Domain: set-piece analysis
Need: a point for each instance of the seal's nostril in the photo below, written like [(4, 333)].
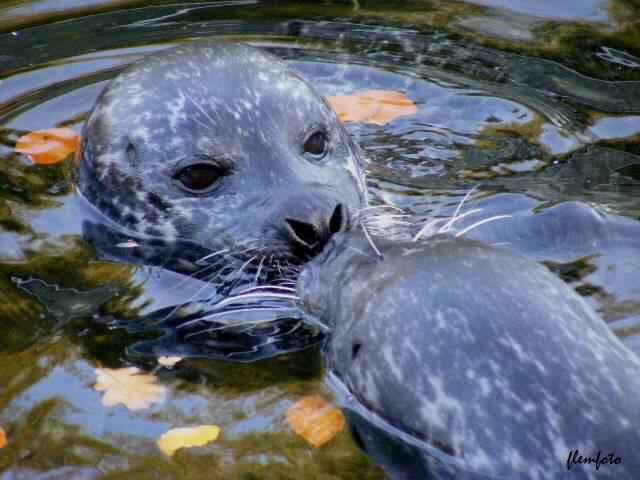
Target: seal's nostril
[(304, 232), (313, 226), (335, 223)]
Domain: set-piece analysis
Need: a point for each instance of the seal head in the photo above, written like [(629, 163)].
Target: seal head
[(224, 146)]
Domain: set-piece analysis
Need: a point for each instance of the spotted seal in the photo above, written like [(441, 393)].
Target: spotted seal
[(218, 146), (457, 360)]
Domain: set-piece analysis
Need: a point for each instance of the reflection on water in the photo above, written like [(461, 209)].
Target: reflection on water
[(591, 10), (537, 103)]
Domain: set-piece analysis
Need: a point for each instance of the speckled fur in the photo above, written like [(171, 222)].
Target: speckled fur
[(486, 356), (214, 99)]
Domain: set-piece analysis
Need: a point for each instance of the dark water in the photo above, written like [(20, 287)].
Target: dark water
[(536, 104)]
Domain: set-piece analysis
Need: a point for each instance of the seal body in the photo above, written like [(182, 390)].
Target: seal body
[(220, 146), (462, 361)]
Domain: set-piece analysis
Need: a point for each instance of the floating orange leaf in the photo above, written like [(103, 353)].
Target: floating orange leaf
[(378, 107), (178, 438), (45, 147), (128, 386), (315, 420), (3, 438), (168, 361)]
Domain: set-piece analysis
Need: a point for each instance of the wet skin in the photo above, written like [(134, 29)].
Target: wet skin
[(459, 360), (219, 145)]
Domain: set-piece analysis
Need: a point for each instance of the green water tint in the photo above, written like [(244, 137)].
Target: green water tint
[(541, 109)]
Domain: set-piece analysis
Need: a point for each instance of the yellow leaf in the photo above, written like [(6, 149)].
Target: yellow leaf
[(3, 438), (168, 361), (378, 107), (128, 386), (50, 146), (178, 438), (315, 420)]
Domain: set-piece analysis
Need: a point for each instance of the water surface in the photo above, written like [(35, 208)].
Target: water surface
[(537, 106)]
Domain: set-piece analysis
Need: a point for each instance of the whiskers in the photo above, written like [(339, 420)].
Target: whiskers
[(431, 227), (393, 223), (203, 260), (254, 306), (373, 245), (481, 222), (386, 221), (246, 286)]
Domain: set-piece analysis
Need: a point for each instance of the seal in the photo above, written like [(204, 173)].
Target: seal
[(218, 146), (459, 360)]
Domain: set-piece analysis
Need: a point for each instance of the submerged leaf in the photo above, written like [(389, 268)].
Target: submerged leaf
[(3, 438), (128, 386), (178, 438), (378, 107), (45, 147), (315, 420)]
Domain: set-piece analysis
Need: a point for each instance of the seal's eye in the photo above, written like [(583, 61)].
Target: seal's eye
[(316, 144), (199, 177)]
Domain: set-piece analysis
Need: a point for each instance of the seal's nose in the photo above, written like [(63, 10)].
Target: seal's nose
[(312, 233)]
